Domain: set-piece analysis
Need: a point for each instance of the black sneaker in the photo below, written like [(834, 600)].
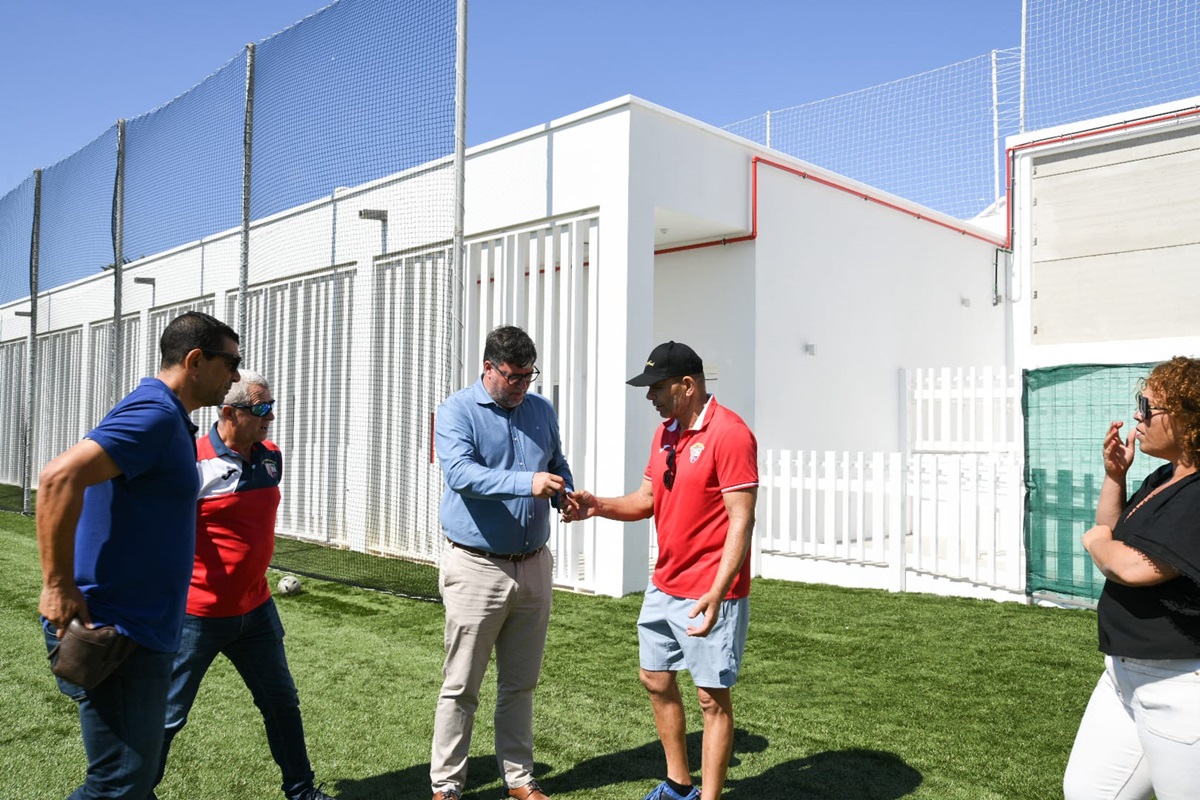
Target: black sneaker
[(316, 793)]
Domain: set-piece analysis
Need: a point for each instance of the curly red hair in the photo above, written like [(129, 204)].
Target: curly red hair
[(1177, 384)]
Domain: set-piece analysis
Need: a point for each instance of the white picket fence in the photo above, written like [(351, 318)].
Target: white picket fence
[(943, 517), (942, 523)]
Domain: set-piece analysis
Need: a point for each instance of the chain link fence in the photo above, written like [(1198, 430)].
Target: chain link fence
[(278, 195), (938, 138)]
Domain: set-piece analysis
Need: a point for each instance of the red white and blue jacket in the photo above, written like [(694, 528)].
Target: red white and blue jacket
[(235, 527)]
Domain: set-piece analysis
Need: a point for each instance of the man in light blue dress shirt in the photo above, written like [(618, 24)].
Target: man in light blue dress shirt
[(502, 460)]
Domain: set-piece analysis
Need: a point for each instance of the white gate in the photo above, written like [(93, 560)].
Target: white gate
[(945, 517)]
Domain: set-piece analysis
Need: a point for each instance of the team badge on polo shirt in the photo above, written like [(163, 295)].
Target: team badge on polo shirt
[(695, 451), (272, 468)]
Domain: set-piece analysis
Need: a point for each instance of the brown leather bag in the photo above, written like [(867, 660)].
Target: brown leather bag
[(86, 656)]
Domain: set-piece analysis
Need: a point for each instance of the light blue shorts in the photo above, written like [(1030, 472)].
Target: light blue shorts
[(665, 646)]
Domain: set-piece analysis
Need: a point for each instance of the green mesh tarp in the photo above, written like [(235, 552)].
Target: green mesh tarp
[(1067, 412)]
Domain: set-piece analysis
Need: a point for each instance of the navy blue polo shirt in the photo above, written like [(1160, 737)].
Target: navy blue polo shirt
[(137, 532)]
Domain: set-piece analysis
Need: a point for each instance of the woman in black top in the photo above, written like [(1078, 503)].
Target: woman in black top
[(1140, 735)]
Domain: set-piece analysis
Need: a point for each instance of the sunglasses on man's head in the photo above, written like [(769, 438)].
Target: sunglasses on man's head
[(257, 409)]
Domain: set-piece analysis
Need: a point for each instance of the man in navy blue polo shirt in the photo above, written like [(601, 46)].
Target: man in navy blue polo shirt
[(116, 528)]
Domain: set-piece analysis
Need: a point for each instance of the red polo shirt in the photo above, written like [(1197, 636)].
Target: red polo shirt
[(719, 455)]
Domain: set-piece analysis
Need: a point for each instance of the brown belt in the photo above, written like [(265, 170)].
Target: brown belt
[(516, 558)]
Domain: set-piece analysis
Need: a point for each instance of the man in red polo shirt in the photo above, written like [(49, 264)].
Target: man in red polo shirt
[(700, 485)]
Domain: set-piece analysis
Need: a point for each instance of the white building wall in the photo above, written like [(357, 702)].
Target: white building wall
[(873, 289), (1145, 266)]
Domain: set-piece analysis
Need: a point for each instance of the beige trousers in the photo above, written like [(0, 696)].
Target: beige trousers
[(490, 604)]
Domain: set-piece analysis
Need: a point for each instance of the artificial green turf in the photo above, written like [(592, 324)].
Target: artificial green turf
[(12, 498), (844, 694), (394, 575)]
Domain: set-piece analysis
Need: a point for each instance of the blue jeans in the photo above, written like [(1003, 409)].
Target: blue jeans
[(253, 642), (121, 720)]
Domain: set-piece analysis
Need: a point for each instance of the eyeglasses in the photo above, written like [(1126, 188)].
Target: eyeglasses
[(233, 361), (257, 409), (515, 379), (669, 475), (1145, 409)]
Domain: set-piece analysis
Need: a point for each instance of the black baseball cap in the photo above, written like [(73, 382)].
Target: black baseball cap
[(668, 360)]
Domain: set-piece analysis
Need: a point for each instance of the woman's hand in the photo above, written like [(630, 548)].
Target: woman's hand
[(1118, 454)]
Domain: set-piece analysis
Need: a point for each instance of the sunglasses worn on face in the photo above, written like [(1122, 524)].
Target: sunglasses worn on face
[(1145, 409), (517, 380), (233, 361), (669, 475), (257, 409)]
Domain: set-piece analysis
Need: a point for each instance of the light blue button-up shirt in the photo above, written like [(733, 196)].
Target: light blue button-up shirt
[(489, 456)]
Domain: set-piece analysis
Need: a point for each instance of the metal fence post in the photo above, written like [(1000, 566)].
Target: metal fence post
[(118, 235), (458, 334), (35, 242), (247, 165)]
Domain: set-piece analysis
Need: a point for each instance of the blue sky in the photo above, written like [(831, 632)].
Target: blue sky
[(75, 67)]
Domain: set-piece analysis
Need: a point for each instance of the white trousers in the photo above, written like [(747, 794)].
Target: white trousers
[(490, 604), (1140, 734)]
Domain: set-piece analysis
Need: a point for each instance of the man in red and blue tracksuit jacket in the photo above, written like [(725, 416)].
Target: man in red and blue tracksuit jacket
[(229, 605)]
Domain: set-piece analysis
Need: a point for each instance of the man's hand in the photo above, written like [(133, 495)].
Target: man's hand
[(61, 604), (547, 484), (710, 606), (580, 506)]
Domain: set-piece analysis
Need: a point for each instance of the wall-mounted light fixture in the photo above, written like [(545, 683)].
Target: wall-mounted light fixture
[(147, 281), (23, 313), (377, 214)]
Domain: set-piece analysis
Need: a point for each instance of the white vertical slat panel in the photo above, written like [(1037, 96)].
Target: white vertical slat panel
[(498, 284), (516, 283), (861, 489), (898, 527), (534, 244), (827, 540), (989, 519), (472, 324), (878, 527), (969, 534), (591, 368), (549, 308), (811, 502), (785, 542)]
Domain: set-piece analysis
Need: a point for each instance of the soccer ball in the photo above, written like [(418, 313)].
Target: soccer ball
[(289, 584)]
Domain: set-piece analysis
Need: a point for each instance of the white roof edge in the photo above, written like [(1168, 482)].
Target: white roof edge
[(1107, 121), (631, 101)]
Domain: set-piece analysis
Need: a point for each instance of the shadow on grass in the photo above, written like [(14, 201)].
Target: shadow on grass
[(859, 774), (644, 764), (841, 774), (413, 783)]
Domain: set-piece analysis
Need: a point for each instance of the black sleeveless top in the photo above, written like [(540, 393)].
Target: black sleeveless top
[(1161, 621)]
